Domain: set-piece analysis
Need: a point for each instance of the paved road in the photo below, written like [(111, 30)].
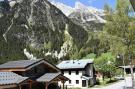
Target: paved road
[(118, 85)]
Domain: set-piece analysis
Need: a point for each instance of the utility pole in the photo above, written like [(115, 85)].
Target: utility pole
[(132, 73), (130, 57)]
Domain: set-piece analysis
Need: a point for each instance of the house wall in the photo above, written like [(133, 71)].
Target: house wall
[(73, 77), (89, 70)]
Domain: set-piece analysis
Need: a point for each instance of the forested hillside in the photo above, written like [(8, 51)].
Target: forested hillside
[(37, 29)]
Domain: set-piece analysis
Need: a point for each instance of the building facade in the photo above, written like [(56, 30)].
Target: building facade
[(80, 72)]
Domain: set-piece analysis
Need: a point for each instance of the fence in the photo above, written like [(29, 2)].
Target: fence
[(127, 87)]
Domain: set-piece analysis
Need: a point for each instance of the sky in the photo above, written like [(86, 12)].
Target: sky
[(95, 3)]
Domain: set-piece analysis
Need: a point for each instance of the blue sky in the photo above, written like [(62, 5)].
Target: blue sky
[(95, 3)]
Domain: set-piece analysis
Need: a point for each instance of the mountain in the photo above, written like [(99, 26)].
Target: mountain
[(90, 18), (87, 13), (36, 28), (67, 10)]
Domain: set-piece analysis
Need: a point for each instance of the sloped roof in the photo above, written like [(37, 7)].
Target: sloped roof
[(25, 64), (127, 67), (8, 78), (19, 64), (86, 77), (48, 77), (74, 64)]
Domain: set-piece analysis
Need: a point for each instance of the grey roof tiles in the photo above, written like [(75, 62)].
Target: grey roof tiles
[(48, 77), (74, 64), (7, 78), (19, 64)]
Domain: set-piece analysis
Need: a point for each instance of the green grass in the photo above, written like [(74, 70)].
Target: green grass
[(106, 82)]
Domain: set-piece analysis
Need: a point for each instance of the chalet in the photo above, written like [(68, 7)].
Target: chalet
[(80, 73), (30, 74)]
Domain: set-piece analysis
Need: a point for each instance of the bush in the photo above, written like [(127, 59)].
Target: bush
[(97, 82)]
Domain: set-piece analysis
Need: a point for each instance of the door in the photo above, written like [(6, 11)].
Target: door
[(83, 83)]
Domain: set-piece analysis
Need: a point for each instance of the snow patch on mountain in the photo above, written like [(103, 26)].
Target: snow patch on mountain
[(82, 7), (64, 8), (88, 13)]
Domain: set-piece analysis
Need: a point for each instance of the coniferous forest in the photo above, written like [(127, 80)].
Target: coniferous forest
[(43, 31)]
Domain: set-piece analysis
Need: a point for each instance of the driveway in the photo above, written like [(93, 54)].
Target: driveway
[(118, 85)]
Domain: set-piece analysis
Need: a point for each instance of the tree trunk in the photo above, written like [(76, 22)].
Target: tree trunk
[(132, 74), (103, 77)]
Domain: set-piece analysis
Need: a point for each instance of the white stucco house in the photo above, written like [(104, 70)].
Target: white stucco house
[(80, 72)]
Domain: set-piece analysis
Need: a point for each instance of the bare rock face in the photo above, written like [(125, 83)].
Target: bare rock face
[(90, 18), (39, 27)]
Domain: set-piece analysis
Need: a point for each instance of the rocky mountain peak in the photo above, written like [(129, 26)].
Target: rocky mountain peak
[(80, 6), (81, 12)]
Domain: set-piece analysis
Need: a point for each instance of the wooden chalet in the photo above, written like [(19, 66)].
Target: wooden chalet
[(35, 74)]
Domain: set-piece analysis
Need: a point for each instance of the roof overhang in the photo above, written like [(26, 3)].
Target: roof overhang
[(86, 77), (7, 86), (126, 67)]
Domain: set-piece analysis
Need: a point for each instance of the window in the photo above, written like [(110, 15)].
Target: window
[(69, 81), (77, 81), (69, 72), (77, 72)]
